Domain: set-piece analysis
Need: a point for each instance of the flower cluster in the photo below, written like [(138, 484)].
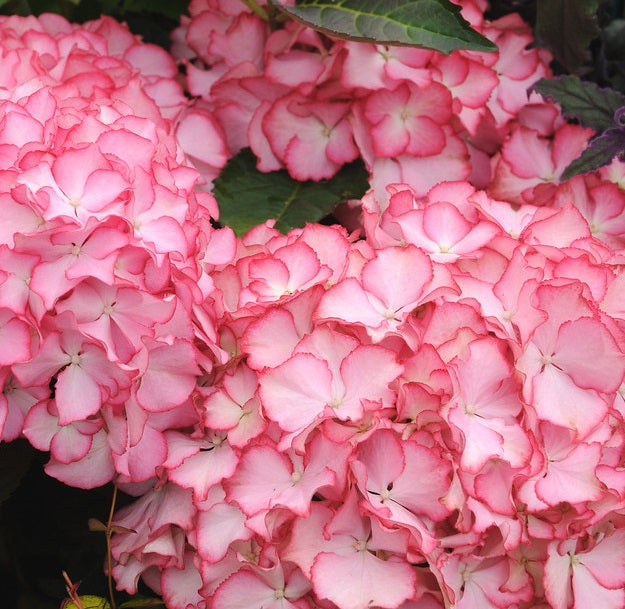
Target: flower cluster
[(426, 412), (104, 248), (310, 104), (430, 417)]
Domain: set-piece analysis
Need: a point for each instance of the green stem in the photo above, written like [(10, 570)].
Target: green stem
[(109, 556), (259, 10)]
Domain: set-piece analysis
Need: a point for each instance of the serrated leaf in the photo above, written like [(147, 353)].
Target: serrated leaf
[(600, 151), (248, 197), (591, 105), (566, 28), (432, 24)]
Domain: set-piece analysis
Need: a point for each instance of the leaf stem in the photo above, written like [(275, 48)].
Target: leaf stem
[(259, 10), (109, 556), (72, 592)]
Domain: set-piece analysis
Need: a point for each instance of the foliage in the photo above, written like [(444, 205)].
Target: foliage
[(577, 19), (248, 197), (599, 109), (594, 107), (600, 152), (88, 601), (433, 24), (586, 102), (270, 397)]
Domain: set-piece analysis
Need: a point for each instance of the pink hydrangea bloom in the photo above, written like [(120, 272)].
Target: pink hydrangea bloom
[(423, 414)]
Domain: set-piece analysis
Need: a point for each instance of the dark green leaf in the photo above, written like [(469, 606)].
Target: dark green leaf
[(599, 152), (248, 197), (566, 28), (15, 459), (433, 24), (591, 105)]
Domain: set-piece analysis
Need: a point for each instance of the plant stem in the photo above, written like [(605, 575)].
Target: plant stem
[(259, 10), (109, 556)]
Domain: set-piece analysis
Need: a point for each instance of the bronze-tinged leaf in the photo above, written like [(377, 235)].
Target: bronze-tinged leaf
[(590, 104), (566, 28)]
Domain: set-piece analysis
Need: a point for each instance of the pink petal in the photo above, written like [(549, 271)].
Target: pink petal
[(244, 590), (261, 475), (72, 169), (260, 344), (295, 393), (69, 445), (181, 587), (360, 580), (603, 365), (588, 592), (101, 189), (397, 276), (146, 455), (40, 425), (557, 574), (444, 224), (606, 561), (14, 338), (348, 301), (169, 378), (383, 458), (557, 399), (217, 528), (367, 373), (205, 469), (200, 137), (77, 395), (434, 475), (95, 469), (572, 479)]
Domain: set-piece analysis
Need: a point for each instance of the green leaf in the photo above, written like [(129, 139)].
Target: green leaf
[(600, 151), (591, 105), (90, 602), (566, 28), (247, 197), (433, 24)]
